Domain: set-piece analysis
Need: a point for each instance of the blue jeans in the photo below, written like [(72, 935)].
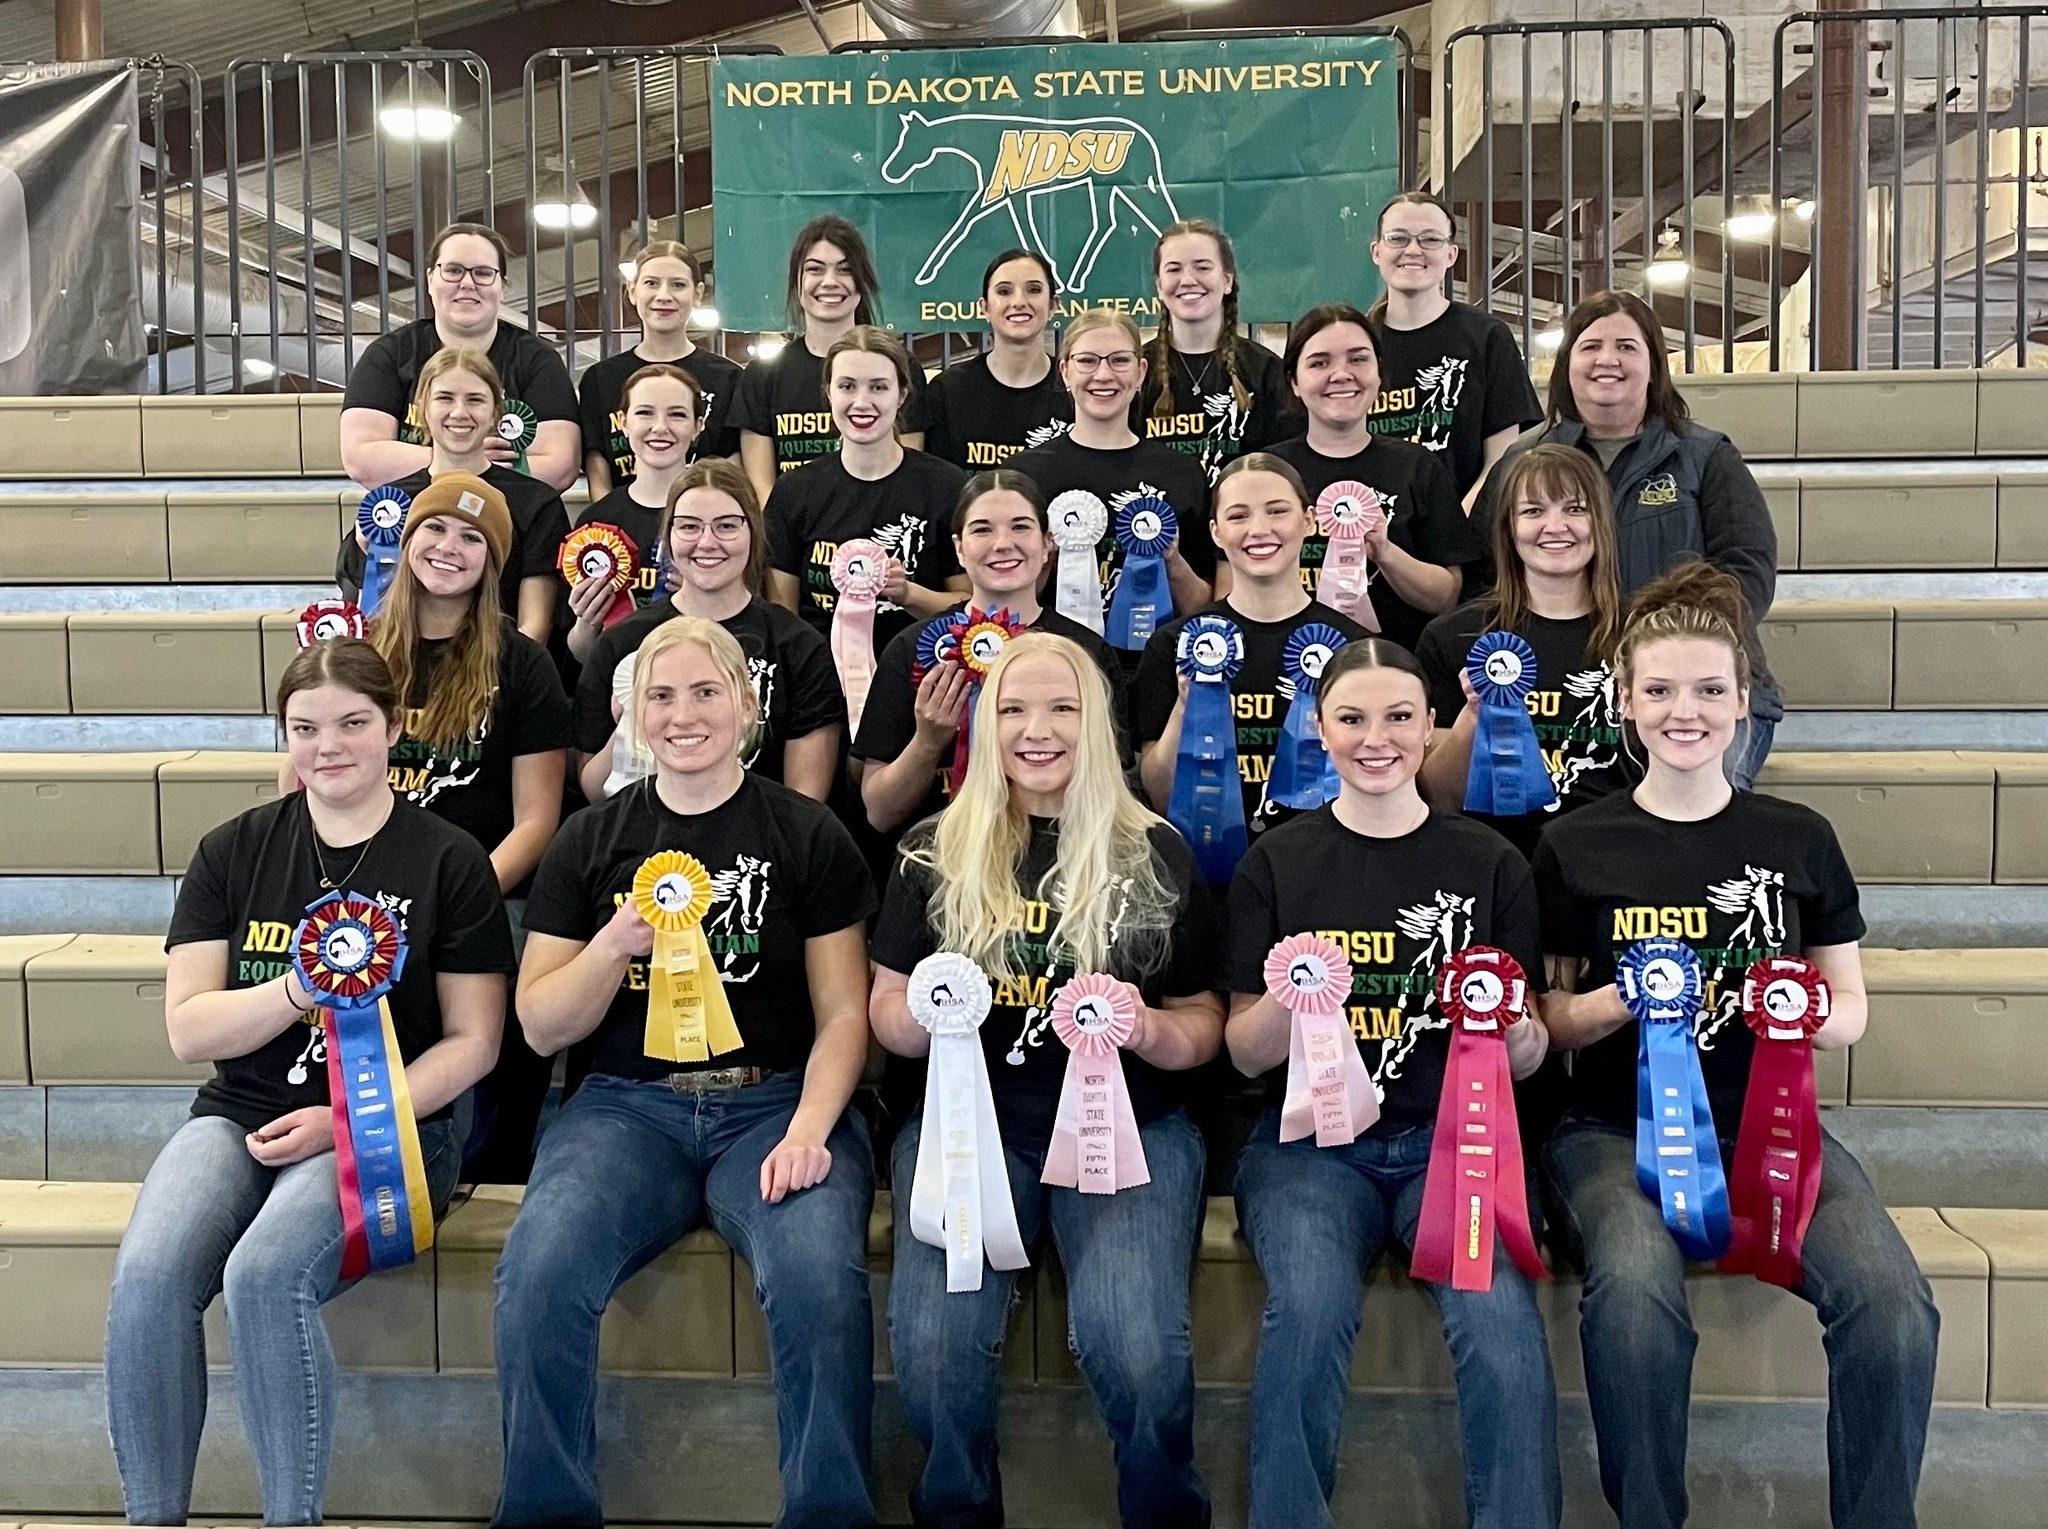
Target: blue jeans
[(1127, 1258), (625, 1170), (1745, 757), (1316, 1218), (1636, 1331), (211, 1219)]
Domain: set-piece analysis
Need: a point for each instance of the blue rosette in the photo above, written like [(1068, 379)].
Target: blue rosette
[(1507, 777), (1678, 1155), (1145, 528), (381, 519), (938, 642), (1207, 800), (1303, 776)]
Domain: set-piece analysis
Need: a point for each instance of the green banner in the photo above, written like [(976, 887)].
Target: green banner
[(946, 158)]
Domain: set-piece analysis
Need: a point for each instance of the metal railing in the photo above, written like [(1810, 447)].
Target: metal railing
[(171, 119)]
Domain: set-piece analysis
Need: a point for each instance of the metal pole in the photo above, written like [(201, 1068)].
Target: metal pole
[(1840, 51), (79, 35)]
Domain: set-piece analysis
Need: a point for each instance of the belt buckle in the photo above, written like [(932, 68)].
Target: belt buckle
[(710, 1080)]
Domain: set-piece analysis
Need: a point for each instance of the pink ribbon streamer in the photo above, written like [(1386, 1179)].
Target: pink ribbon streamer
[(1329, 1093), (1095, 1143), (1347, 513), (859, 570)]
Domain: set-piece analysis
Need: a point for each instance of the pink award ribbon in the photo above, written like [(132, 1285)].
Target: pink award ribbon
[(859, 570), (1347, 513), (1329, 1093), (1095, 1144)]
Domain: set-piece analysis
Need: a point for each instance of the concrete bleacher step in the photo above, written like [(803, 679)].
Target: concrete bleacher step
[(128, 662), (1992, 1158), (1901, 654)]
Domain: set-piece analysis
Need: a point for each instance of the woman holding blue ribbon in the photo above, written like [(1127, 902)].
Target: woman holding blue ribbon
[(1387, 892), (244, 1200), (1043, 867), (1709, 880)]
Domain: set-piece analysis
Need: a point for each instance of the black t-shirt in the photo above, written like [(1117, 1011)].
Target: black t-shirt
[(789, 665), (1259, 696), (388, 371), (471, 784), (1397, 908), (1027, 1062), (1450, 384), (978, 422), (250, 883), (602, 406), (783, 871), (1576, 709), (783, 398), (910, 512), (642, 525), (1207, 422), (538, 525), (1424, 519), (1762, 877)]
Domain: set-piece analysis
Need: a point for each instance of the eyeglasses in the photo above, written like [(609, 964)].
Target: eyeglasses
[(726, 528), (1119, 361), (482, 275), (1400, 239)]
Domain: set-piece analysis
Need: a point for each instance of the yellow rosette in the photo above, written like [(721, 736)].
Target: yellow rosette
[(688, 1018)]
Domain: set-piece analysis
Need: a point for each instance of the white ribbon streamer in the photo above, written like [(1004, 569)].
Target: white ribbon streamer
[(631, 759), (1077, 520)]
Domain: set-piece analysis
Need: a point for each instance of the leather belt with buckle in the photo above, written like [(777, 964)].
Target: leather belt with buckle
[(713, 1080)]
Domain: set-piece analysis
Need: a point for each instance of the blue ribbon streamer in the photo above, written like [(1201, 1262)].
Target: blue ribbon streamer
[(1303, 776), (1678, 1154), (1207, 800), (383, 531), (1145, 528), (1507, 777)]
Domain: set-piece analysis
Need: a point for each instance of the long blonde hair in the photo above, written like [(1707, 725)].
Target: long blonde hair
[(466, 679), (1113, 908), (727, 657)]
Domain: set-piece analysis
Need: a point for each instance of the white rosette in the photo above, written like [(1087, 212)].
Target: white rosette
[(1077, 520), (960, 1196), (631, 759)]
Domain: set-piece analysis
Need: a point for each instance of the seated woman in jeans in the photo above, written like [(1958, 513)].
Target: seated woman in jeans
[(1747, 876), (1045, 866), (756, 1139), (1399, 887), (243, 1199)]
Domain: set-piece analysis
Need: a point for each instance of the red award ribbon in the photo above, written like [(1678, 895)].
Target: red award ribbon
[(1475, 1182), (324, 619), (1095, 1144), (1776, 1180), (1329, 1093), (859, 570), (1347, 513), (595, 550), (982, 639)]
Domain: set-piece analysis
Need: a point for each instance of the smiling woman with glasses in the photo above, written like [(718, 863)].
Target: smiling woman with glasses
[(383, 439)]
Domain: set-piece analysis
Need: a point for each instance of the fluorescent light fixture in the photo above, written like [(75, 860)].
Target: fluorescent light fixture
[(704, 318)]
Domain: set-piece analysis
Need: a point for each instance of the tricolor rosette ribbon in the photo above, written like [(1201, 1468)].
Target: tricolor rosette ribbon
[(1507, 776), (1347, 514), (1145, 530), (1678, 1156), (1776, 1180), (1330, 1096), (381, 519), (859, 570), (1077, 520), (974, 639), (350, 954), (324, 620), (517, 427), (1303, 776), (1475, 1187), (688, 1016), (601, 552), (1207, 800), (960, 1194), (1095, 1143)]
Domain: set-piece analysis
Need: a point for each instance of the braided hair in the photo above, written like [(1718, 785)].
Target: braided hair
[(1159, 352)]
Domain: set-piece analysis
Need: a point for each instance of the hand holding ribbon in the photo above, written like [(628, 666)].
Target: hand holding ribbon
[(960, 1193), (688, 1016), (1507, 777), (1095, 1143), (1303, 776), (1077, 520), (599, 553), (517, 427), (325, 619), (859, 570), (1776, 1183), (1329, 1093), (1475, 1182), (974, 639), (350, 953), (1678, 1156), (381, 519), (1146, 529), (1207, 800), (1348, 513)]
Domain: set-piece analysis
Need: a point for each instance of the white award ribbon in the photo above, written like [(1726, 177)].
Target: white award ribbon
[(1077, 520), (960, 1195), (631, 759)]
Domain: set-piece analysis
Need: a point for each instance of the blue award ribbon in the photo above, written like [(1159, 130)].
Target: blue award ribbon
[(1145, 528), (1207, 801), (1507, 776), (1303, 776), (938, 641), (381, 519), (1678, 1156)]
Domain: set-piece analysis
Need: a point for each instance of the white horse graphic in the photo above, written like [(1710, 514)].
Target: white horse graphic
[(1444, 925)]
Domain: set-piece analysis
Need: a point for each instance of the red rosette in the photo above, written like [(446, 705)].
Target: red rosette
[(1483, 990), (1095, 1013), (327, 619), (1785, 998), (595, 550), (860, 568), (1308, 974)]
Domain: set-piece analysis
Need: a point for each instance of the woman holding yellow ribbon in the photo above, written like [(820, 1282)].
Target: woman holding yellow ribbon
[(244, 1199), (697, 944)]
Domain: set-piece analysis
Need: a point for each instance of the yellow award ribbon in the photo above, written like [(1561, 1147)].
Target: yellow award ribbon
[(688, 1017)]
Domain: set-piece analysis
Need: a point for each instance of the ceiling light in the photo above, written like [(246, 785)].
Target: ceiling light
[(704, 318), (561, 204), (1804, 211), (1754, 223), (767, 348), (1668, 268), (417, 111), (1549, 339)]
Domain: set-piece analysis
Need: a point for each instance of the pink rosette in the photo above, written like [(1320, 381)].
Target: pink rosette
[(1095, 1144), (1347, 513), (859, 570), (1329, 1093)]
